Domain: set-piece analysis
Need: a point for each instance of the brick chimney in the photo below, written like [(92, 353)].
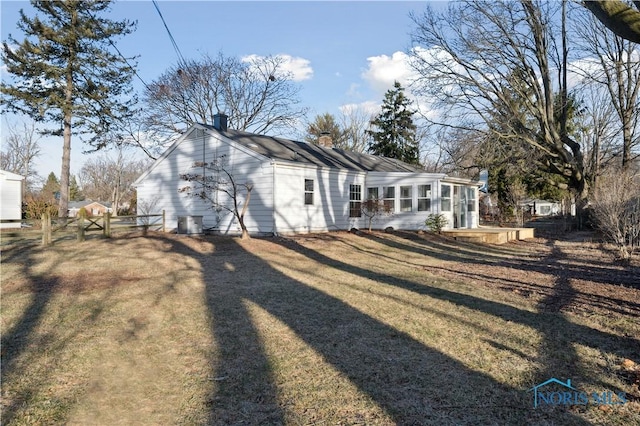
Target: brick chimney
[(220, 121), (325, 140)]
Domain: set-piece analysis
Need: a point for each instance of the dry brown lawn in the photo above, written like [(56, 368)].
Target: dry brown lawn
[(320, 329)]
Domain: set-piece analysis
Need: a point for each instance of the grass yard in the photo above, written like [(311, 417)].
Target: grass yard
[(321, 329)]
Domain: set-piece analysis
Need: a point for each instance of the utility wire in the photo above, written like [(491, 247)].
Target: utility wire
[(173, 41)]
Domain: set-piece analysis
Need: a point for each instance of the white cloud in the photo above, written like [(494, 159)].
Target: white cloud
[(299, 68), (366, 108), (384, 70)]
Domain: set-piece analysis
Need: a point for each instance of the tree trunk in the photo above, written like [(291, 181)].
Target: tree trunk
[(63, 206), (67, 111)]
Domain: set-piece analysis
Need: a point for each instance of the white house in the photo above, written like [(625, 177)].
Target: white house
[(11, 201), (299, 187)]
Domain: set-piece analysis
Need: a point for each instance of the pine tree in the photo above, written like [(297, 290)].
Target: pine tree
[(51, 189), (325, 124), (395, 136), (65, 72), (74, 190)]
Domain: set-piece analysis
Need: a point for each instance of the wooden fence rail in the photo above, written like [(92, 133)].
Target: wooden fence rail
[(105, 223)]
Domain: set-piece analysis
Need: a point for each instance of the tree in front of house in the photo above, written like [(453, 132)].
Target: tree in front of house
[(394, 132), (373, 208), (66, 73), (214, 183)]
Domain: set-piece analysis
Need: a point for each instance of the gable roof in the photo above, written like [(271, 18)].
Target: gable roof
[(280, 149)]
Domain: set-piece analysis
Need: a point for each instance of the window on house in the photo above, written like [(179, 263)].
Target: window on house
[(445, 198), (406, 198), (389, 197), (308, 191), (355, 200), (424, 198), (471, 199), (372, 193)]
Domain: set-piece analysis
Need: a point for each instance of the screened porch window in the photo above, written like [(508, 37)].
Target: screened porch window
[(471, 199), (424, 198), (389, 197), (406, 198), (445, 198), (372, 193)]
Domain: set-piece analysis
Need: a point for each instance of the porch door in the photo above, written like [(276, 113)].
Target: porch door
[(459, 207)]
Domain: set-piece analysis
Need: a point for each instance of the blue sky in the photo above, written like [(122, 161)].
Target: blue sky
[(341, 52)]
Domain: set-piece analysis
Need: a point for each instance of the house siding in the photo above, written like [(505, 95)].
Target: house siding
[(330, 208), (160, 189)]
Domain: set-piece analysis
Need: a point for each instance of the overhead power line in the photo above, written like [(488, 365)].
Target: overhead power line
[(173, 41)]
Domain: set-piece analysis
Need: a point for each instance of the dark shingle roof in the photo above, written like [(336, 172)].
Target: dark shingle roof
[(306, 153)]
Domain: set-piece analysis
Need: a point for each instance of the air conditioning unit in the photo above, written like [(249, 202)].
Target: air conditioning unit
[(190, 225)]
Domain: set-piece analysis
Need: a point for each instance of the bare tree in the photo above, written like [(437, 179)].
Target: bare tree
[(109, 177), (355, 121), (616, 67), (490, 67), (374, 208), (220, 180), (21, 148), (257, 94), (598, 130)]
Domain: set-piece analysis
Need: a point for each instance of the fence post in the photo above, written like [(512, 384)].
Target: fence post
[(106, 230), (46, 229), (81, 228), (163, 221)]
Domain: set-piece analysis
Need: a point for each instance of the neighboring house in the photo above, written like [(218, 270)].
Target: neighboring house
[(300, 187), (11, 199), (541, 207), (93, 208)]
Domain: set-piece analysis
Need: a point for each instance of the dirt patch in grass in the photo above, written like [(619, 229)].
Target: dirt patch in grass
[(332, 328)]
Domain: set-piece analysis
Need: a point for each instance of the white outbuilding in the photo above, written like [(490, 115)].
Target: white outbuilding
[(11, 199)]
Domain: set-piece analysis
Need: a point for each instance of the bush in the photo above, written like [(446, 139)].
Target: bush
[(436, 222), (615, 207), (34, 208)]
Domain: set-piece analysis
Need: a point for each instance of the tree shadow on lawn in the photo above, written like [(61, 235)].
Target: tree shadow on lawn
[(555, 264), (412, 383), (559, 333), (22, 344)]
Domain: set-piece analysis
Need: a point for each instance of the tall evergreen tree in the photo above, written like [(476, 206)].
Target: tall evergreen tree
[(395, 136), (65, 72)]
